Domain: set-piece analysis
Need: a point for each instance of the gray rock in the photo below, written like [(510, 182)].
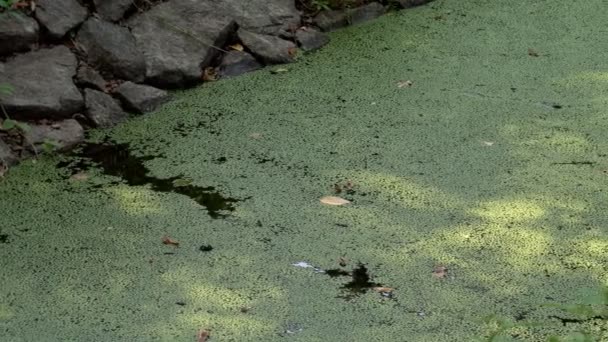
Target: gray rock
[(332, 20), (42, 84), (64, 134), (7, 157), (102, 109), (88, 77), (112, 10), (274, 17), (112, 48), (270, 49), (179, 39), (17, 33), (236, 63), (310, 39), (59, 16), (141, 98), (411, 3)]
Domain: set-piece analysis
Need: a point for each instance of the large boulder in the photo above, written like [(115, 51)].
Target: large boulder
[(42, 84), (112, 10), (236, 63), (270, 49), (17, 33), (140, 98), (332, 20), (87, 77), (102, 109), (63, 134), (112, 48), (274, 17), (59, 16), (310, 39), (179, 39)]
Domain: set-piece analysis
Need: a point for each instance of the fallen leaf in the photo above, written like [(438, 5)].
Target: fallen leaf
[(383, 289), (440, 272), (342, 261), (80, 176), (533, 52), (279, 71), (169, 241), (488, 143), (210, 74), (333, 200), (403, 84), (202, 336), (236, 47)]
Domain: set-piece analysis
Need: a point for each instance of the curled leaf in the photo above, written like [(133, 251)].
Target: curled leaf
[(279, 71), (404, 84), (236, 47), (169, 241), (383, 289), (440, 272), (334, 200), (203, 335)]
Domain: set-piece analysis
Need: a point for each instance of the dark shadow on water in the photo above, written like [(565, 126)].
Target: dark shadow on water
[(117, 160), (359, 284)]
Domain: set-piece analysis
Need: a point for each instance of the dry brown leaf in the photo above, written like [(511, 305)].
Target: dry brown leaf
[(202, 336), (210, 74), (383, 289), (533, 52), (80, 176), (333, 200), (440, 272), (169, 241), (236, 47), (403, 84)]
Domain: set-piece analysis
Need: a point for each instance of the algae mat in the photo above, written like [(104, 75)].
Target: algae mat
[(491, 164)]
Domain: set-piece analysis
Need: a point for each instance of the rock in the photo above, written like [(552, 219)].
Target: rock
[(273, 17), (332, 20), (60, 16), (42, 84), (88, 77), (411, 3), (141, 98), (102, 109), (112, 48), (310, 39), (64, 134), (179, 39), (17, 33), (270, 49), (236, 63), (112, 10), (7, 157)]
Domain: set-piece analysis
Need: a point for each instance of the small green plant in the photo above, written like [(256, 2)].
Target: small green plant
[(7, 4)]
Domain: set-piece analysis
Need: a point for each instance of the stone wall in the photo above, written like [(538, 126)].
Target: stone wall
[(67, 66)]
